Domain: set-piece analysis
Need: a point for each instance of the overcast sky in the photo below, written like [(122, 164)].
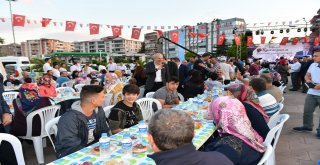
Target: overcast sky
[(144, 13)]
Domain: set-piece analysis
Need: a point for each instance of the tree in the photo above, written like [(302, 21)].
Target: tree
[(189, 54), (1, 40), (143, 48), (232, 51)]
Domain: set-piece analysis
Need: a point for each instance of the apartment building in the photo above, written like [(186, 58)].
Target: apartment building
[(10, 50)]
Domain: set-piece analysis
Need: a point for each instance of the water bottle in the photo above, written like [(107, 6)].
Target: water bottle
[(143, 130), (127, 147), (104, 143)]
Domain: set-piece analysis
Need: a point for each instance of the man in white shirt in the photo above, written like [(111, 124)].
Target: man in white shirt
[(56, 72), (133, 66), (121, 67), (312, 100), (75, 67), (101, 67), (47, 66), (294, 70), (227, 70), (112, 66)]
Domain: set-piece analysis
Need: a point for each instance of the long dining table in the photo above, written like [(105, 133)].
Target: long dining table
[(202, 134)]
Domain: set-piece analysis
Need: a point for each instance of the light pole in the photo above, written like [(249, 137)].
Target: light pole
[(100, 55), (304, 19), (14, 37)]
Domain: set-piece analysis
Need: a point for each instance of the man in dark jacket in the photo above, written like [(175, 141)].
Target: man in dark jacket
[(7, 155), (158, 72), (172, 141), (203, 65), (183, 73), (84, 123)]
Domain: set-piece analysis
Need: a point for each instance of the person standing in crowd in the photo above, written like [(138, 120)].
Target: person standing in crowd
[(158, 72), (168, 95), (63, 78), (282, 69), (140, 75), (203, 65), (86, 70), (254, 68), (47, 64), (63, 67), (127, 112), (112, 66), (237, 139), (7, 155), (192, 59), (294, 71), (183, 73), (227, 70), (75, 67), (305, 64), (214, 64), (83, 124), (133, 66), (312, 100), (171, 141), (266, 100), (55, 69)]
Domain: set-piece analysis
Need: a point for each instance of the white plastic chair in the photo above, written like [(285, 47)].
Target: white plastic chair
[(10, 96), (51, 128), (45, 114), (62, 89), (267, 158), (150, 94), (181, 98), (146, 107), (68, 84), (107, 110), (108, 99), (282, 100), (275, 131), (141, 91), (115, 97), (78, 87), (273, 119), (16, 145)]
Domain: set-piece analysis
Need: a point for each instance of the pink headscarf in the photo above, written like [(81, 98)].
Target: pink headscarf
[(231, 118)]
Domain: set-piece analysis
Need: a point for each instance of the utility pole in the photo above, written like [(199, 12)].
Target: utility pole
[(14, 37)]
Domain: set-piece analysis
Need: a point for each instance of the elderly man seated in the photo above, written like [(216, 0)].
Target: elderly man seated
[(271, 89), (172, 141)]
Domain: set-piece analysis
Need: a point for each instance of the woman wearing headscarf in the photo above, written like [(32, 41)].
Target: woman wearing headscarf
[(237, 139), (47, 86), (282, 69), (254, 111), (28, 101), (113, 85), (276, 78), (119, 74)]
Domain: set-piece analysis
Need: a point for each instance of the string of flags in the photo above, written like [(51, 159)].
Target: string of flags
[(22, 20)]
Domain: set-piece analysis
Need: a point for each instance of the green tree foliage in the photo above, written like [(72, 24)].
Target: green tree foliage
[(1, 40), (143, 48), (189, 54), (232, 51)]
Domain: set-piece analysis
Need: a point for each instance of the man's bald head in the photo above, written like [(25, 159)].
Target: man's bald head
[(158, 58)]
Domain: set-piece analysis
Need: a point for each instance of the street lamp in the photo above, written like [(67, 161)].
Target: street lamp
[(304, 19), (14, 37)]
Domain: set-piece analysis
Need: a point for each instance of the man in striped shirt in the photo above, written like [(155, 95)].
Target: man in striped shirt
[(266, 100)]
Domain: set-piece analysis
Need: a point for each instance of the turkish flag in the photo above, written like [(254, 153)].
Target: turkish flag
[(159, 32), (192, 34), (295, 41), (316, 41), (306, 39), (18, 20), (189, 27), (284, 41), (45, 22), (116, 31), (263, 39), (174, 36), (70, 25), (202, 35), (136, 33), (221, 39), (237, 39), (94, 28), (249, 40), (203, 27)]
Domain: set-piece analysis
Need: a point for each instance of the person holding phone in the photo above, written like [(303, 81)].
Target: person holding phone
[(312, 100)]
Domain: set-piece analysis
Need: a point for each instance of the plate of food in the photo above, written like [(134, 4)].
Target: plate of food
[(116, 162), (197, 124), (191, 113), (139, 148), (96, 150)]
